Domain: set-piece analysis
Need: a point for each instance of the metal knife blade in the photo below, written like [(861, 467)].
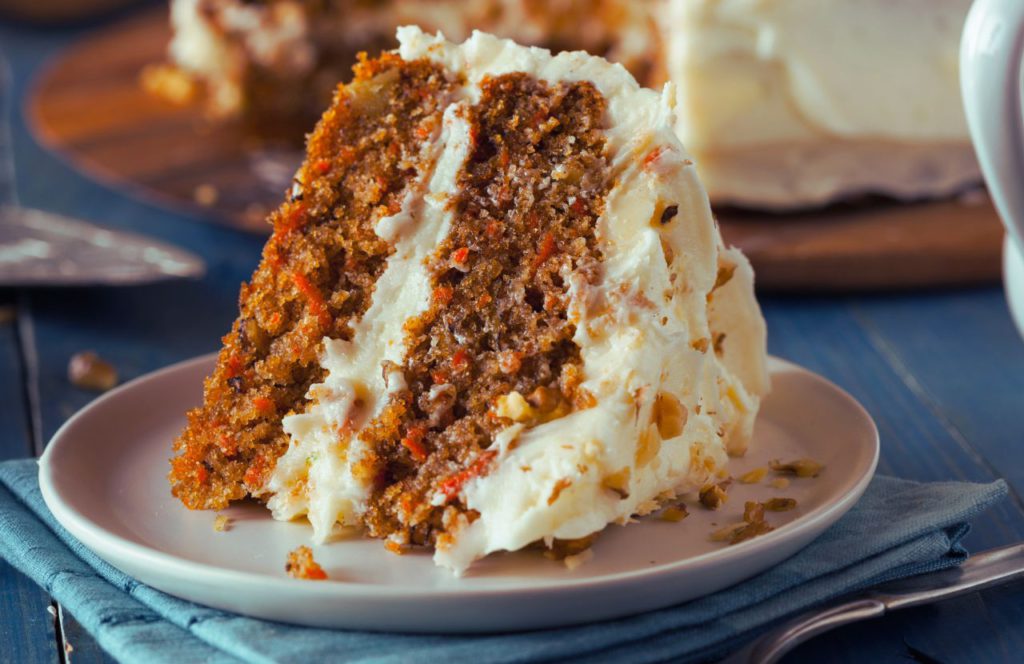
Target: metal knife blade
[(981, 570), (39, 248)]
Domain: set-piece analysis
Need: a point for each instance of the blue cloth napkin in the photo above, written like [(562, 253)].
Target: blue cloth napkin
[(899, 528)]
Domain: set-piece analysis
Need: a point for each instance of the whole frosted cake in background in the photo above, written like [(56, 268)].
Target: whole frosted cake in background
[(495, 311), (275, 62), (784, 104), (797, 103)]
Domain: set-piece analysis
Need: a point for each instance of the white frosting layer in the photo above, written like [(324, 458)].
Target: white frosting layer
[(645, 330), (316, 475), (837, 97)]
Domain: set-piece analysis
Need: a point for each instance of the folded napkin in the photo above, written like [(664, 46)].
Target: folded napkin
[(899, 528)]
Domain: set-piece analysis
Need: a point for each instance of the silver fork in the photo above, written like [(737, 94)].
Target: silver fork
[(982, 570)]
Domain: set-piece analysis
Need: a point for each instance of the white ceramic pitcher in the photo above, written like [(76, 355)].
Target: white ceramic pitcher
[(991, 70)]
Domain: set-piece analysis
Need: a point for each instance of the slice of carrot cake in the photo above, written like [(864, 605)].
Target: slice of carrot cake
[(495, 310)]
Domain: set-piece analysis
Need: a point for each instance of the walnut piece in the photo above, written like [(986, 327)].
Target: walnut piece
[(753, 524), (618, 482), (780, 504), (753, 512), (561, 549), (754, 476), (750, 531), (674, 513), (713, 496), (799, 467), (669, 415), (726, 533), (90, 372), (725, 272)]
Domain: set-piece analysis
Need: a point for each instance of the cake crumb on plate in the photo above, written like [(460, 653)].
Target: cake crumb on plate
[(301, 565)]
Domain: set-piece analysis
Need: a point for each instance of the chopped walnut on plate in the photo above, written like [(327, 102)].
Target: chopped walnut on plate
[(799, 467)]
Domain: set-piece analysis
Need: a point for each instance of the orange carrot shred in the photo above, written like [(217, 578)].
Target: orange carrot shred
[(254, 474), (451, 486), (653, 155), (443, 294), (290, 221), (235, 366), (413, 442), (316, 573), (547, 248), (460, 360), (314, 299)]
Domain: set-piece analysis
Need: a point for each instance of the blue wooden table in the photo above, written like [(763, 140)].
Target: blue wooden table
[(941, 372)]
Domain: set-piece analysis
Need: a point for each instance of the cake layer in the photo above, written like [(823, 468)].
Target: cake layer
[(317, 276), (799, 102), (542, 355)]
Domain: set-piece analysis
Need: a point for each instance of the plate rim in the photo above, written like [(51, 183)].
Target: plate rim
[(105, 543)]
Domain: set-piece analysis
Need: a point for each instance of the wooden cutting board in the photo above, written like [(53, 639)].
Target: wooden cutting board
[(89, 106)]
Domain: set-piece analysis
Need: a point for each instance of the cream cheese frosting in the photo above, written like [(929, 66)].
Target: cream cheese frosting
[(319, 460), (673, 396), (788, 103)]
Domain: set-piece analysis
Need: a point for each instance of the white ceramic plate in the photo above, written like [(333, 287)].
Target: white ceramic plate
[(103, 477)]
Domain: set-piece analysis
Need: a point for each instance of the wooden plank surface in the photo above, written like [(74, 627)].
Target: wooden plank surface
[(941, 372), (883, 350), (26, 627), (168, 153)]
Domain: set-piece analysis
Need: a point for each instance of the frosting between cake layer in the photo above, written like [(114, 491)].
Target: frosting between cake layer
[(316, 475)]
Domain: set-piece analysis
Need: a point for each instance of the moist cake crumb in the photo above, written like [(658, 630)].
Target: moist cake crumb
[(317, 274), (300, 565), (574, 561)]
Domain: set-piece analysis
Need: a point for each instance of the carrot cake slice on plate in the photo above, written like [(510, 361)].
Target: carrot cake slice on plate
[(495, 310)]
